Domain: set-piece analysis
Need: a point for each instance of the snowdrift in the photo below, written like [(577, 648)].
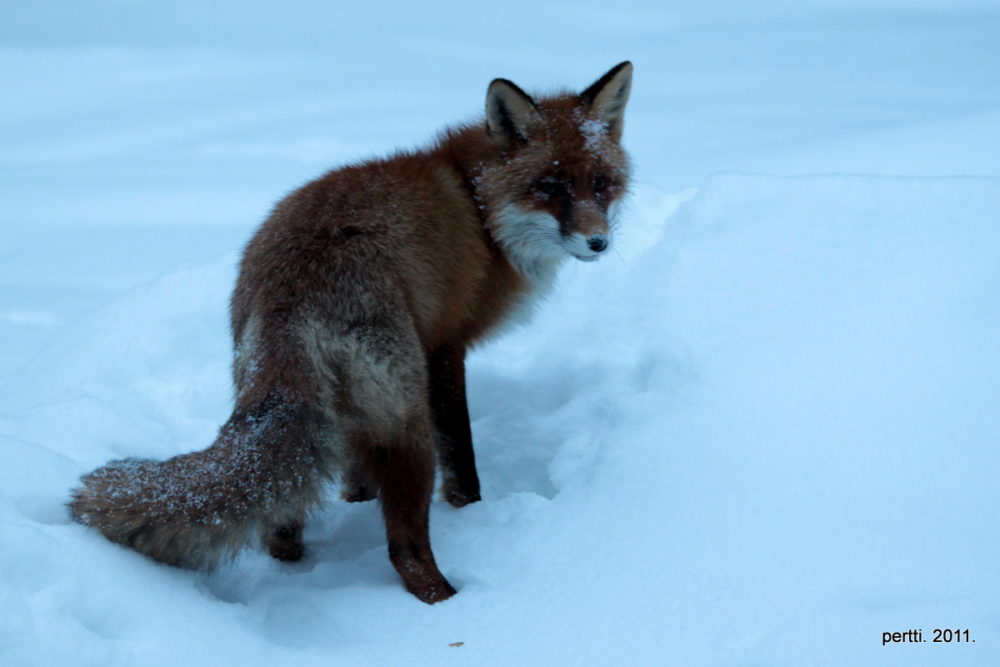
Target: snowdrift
[(764, 432)]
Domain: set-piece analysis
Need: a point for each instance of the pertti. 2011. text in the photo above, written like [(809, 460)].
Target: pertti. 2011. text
[(938, 636)]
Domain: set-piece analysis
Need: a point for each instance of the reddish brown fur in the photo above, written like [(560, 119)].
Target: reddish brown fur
[(356, 302), (455, 281)]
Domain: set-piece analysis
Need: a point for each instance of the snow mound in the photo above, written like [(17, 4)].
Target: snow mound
[(768, 426)]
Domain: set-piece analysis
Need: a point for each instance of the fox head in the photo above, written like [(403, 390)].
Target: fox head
[(554, 190)]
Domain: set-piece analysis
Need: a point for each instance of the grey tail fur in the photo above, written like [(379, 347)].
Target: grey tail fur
[(263, 471)]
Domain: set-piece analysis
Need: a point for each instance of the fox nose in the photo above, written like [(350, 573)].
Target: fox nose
[(597, 243)]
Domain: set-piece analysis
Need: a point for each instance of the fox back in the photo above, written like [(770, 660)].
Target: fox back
[(356, 302)]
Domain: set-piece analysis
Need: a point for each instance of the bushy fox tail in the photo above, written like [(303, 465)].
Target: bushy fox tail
[(263, 472)]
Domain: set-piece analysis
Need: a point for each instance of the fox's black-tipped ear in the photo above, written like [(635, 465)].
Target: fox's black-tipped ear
[(510, 112), (608, 96)]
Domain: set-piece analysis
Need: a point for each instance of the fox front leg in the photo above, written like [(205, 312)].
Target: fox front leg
[(451, 419)]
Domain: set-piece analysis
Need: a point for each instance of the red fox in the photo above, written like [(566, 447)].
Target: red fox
[(356, 302)]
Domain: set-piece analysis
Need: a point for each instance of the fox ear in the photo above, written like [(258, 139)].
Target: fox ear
[(608, 95), (509, 113)]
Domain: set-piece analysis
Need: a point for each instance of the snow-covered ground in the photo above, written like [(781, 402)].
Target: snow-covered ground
[(764, 432)]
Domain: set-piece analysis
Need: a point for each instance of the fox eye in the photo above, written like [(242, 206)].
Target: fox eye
[(600, 184), (550, 188)]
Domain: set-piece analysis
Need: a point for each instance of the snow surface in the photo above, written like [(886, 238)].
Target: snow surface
[(764, 432)]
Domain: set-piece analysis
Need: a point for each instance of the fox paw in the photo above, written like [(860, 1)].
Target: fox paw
[(285, 544), (457, 496), (358, 493)]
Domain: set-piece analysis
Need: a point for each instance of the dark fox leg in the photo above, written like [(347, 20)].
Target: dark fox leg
[(378, 393), (451, 419), (357, 487), (285, 542), (370, 365), (404, 472)]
